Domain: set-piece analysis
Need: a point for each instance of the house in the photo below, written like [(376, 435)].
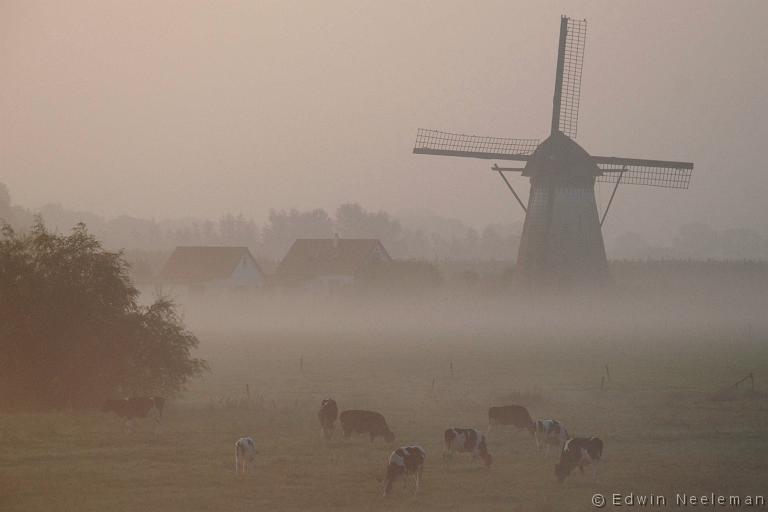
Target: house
[(211, 269), (329, 264)]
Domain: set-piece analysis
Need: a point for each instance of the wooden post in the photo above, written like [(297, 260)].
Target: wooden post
[(451, 366), (602, 383), (607, 372)]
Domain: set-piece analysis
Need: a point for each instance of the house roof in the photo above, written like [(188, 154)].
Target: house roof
[(310, 257), (197, 264)]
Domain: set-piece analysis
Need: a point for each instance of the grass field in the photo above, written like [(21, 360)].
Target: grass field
[(666, 424)]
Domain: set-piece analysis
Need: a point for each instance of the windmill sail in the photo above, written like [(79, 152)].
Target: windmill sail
[(433, 142), (570, 61), (653, 173)]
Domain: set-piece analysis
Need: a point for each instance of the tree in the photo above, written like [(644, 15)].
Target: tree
[(5, 204), (71, 330), (285, 227), (353, 221)]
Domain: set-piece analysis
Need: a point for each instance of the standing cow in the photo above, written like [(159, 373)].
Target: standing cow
[(550, 433), (579, 452), (466, 440), (245, 453), (327, 415), (136, 407), (365, 422), (515, 415), (406, 461)]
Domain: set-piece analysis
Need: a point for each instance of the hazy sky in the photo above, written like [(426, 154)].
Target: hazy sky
[(176, 108)]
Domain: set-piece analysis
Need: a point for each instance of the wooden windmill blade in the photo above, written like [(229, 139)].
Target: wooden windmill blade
[(570, 62), (637, 171), (434, 142)]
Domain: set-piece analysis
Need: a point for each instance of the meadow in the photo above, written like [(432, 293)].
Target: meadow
[(669, 415)]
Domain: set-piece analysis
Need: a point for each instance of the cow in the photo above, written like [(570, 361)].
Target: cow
[(550, 433), (466, 440), (579, 452), (136, 407), (245, 453), (406, 461), (365, 422), (327, 415), (515, 415)]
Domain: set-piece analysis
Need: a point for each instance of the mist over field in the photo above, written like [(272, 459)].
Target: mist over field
[(212, 219)]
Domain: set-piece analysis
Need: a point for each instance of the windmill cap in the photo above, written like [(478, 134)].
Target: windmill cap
[(561, 155)]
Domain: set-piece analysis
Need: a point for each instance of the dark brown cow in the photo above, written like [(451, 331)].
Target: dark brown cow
[(365, 422), (327, 415), (135, 407), (515, 415), (579, 452)]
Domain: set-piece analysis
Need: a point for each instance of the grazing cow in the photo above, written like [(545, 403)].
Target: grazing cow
[(406, 461), (579, 452), (136, 407), (515, 415), (550, 433), (466, 440), (327, 414), (365, 422), (245, 452)]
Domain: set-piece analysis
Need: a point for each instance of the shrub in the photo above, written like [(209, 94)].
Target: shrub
[(71, 330)]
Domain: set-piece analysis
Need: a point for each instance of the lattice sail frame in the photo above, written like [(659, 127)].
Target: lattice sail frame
[(435, 142), (649, 175), (573, 63)]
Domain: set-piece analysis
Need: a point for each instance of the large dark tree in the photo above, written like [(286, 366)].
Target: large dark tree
[(71, 330)]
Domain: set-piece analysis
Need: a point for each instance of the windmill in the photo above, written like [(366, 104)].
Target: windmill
[(562, 241)]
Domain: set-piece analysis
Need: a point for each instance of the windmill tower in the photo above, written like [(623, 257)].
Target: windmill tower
[(562, 240)]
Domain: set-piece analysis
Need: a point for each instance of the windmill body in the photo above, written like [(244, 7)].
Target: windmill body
[(562, 242)]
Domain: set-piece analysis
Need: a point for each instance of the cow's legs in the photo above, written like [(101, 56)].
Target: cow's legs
[(594, 470), (418, 479)]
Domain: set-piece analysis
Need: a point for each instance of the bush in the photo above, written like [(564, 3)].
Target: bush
[(71, 331)]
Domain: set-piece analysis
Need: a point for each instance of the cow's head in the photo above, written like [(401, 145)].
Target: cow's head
[(561, 471), (487, 459), (389, 436)]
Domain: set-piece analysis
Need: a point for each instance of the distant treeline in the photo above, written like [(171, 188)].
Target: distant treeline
[(418, 236), (407, 236)]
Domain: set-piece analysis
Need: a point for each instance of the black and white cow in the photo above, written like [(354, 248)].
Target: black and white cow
[(136, 407), (550, 433), (466, 440), (245, 453), (406, 462), (515, 415), (579, 452), (365, 422), (327, 415)]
